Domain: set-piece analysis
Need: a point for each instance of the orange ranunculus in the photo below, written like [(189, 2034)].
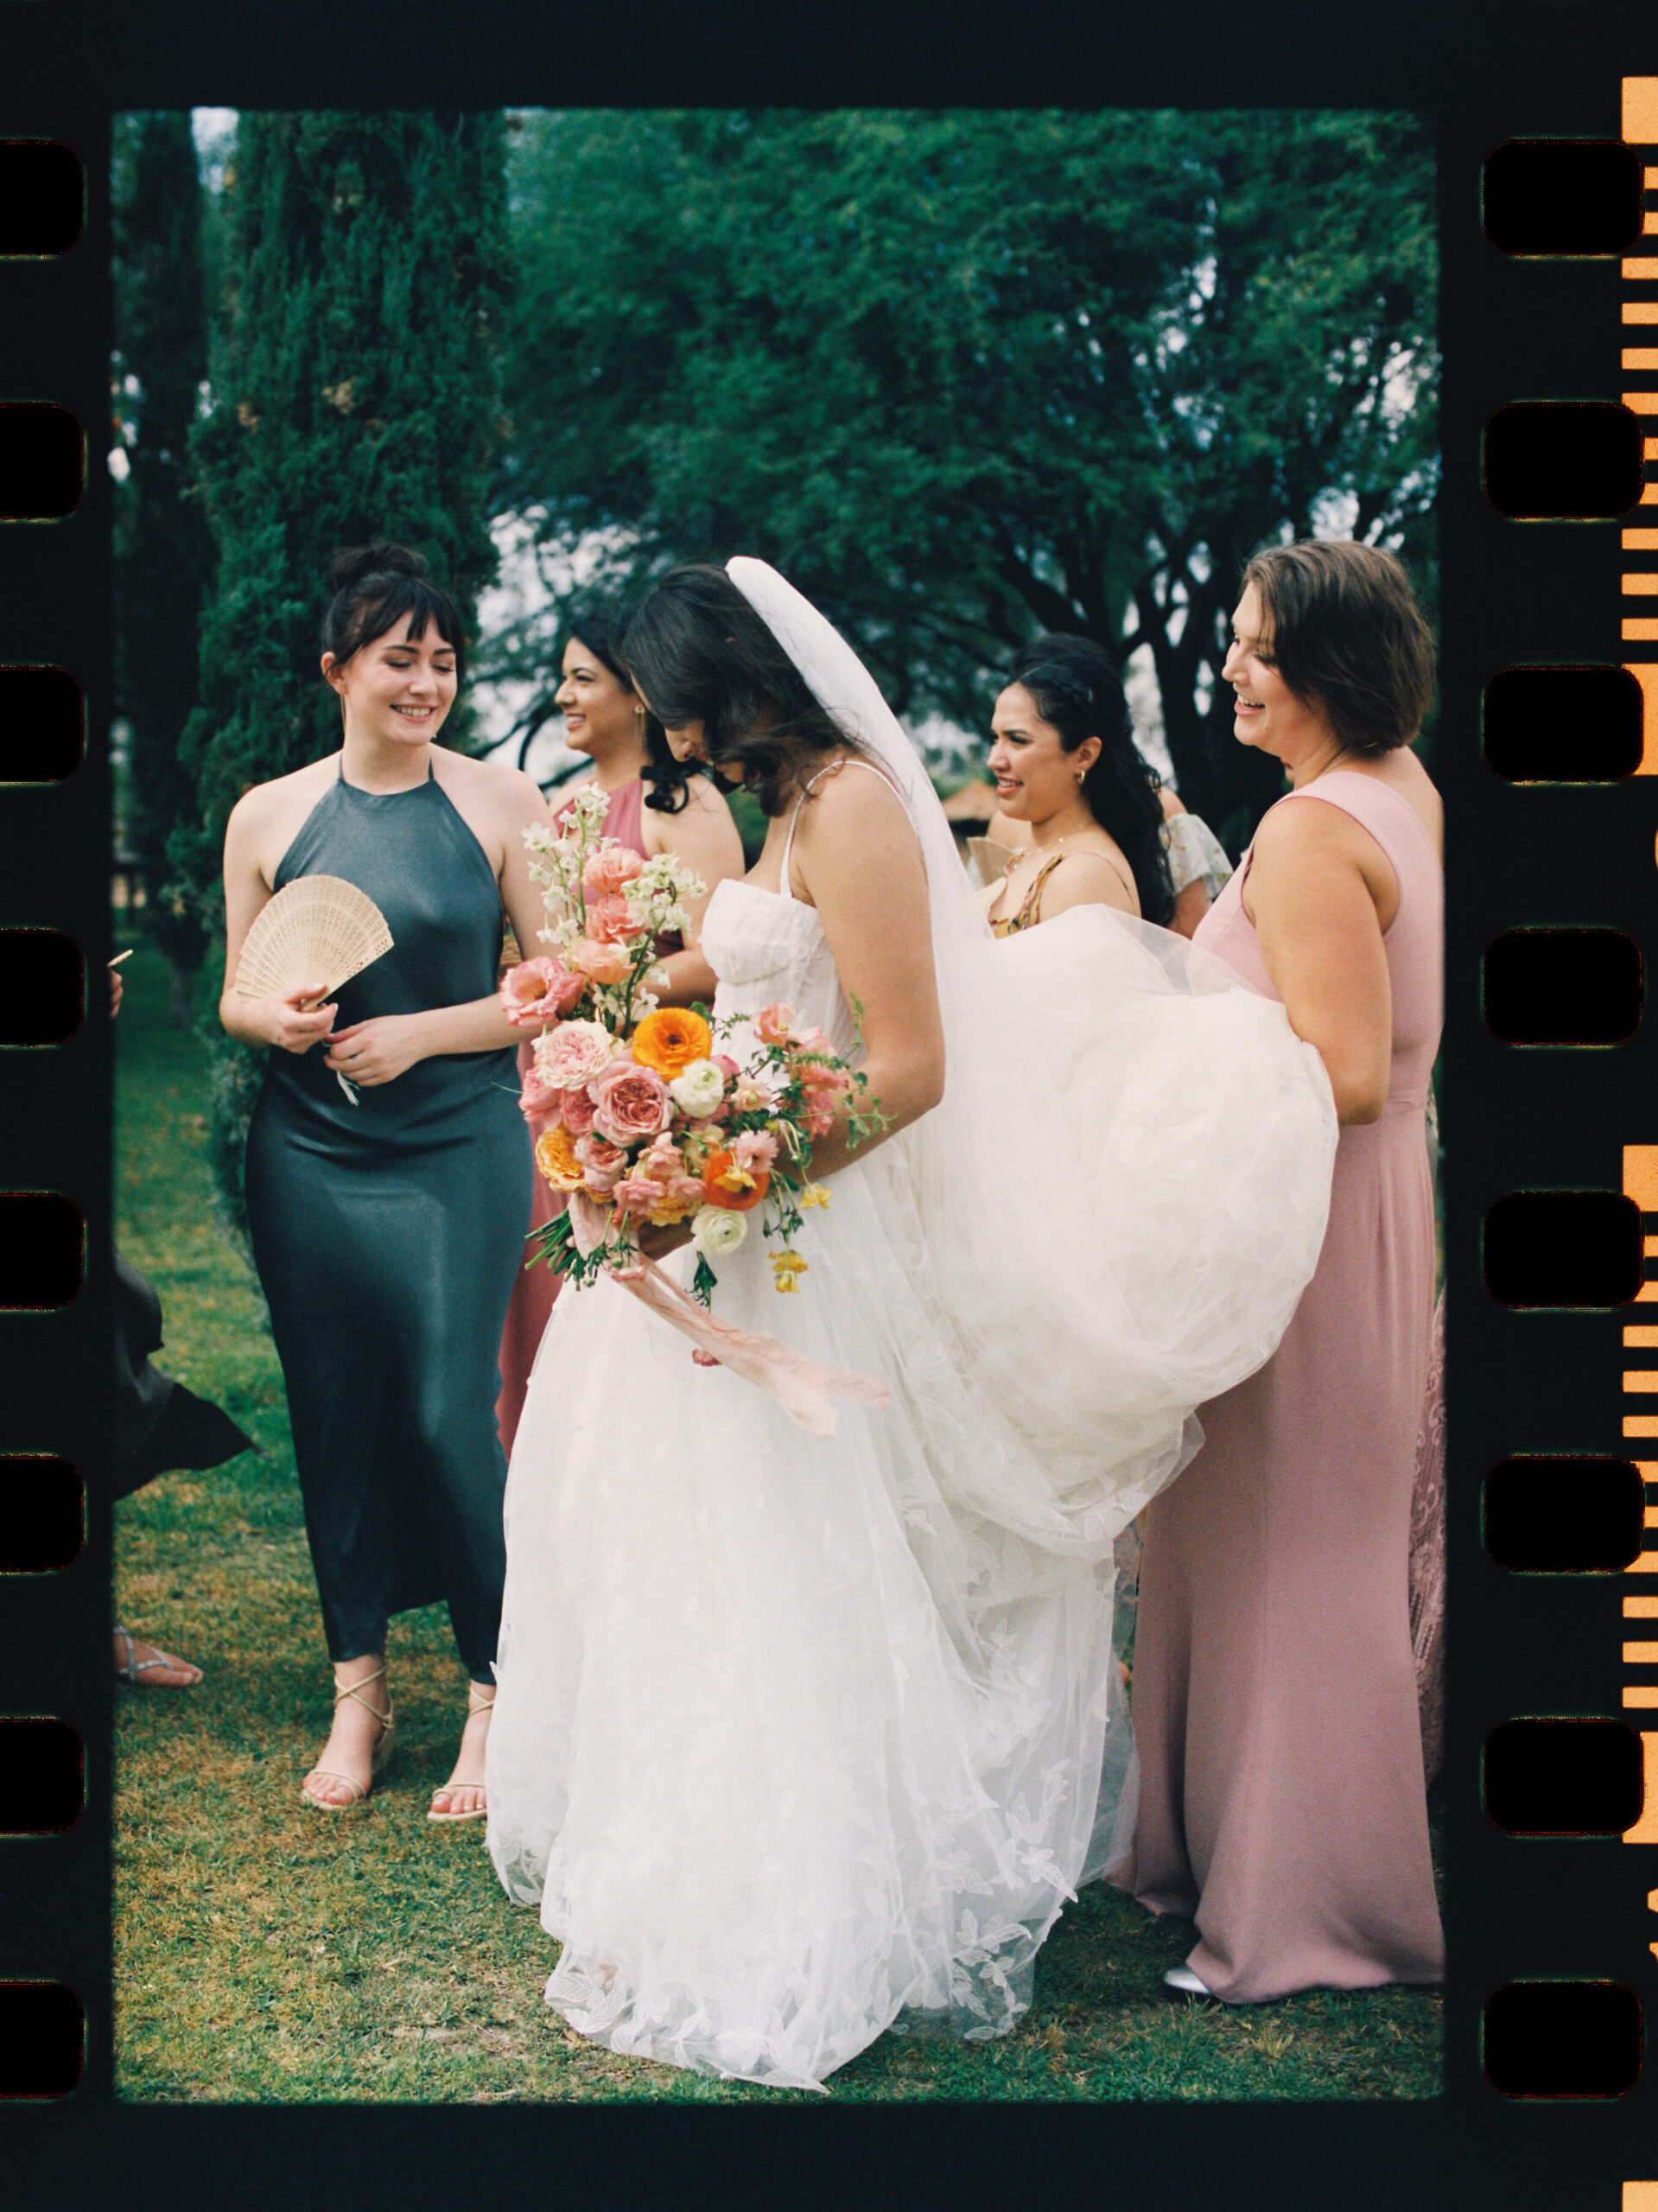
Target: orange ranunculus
[(729, 1186), (556, 1157), (670, 1038)]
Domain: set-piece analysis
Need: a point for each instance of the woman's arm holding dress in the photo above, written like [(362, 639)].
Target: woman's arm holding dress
[(1313, 888), (703, 835), (1192, 899)]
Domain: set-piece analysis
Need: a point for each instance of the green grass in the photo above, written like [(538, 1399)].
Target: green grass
[(266, 1953)]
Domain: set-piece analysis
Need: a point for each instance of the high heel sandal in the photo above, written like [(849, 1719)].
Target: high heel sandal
[(377, 1758), (477, 1702)]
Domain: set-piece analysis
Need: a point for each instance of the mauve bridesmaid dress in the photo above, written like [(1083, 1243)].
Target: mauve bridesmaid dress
[(1275, 1715)]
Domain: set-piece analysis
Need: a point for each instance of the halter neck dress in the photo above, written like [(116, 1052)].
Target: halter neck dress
[(1282, 1801), (387, 1234)]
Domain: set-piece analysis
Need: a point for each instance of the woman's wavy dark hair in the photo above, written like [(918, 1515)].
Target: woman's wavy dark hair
[(698, 651), (1075, 686), (373, 587), (599, 625), (1348, 637)]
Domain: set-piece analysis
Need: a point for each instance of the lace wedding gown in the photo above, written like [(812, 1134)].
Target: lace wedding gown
[(798, 1738)]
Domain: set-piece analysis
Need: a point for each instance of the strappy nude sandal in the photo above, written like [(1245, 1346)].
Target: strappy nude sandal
[(378, 1759), (478, 1699), (136, 1668)]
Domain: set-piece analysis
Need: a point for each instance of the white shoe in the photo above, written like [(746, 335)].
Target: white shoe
[(1184, 1980)]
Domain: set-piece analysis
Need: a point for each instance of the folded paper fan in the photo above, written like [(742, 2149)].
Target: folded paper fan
[(318, 929)]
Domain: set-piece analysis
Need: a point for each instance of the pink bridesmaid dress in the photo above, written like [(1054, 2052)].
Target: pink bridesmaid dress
[(536, 1286), (1275, 1711)]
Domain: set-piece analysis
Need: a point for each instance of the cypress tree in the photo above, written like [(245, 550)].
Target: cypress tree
[(163, 552), (355, 395)]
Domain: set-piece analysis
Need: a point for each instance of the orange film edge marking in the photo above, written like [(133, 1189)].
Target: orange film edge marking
[(1641, 2196), (1639, 127)]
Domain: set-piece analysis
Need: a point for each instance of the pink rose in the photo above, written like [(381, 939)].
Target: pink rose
[(539, 990), (727, 1066), (630, 1103), (599, 963), (687, 1191), (814, 1040), (773, 1024), (610, 920), (819, 1115), (610, 869), (578, 1112), (538, 1101), (573, 1054), (605, 1162)]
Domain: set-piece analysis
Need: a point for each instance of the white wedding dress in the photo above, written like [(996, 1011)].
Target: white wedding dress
[(798, 1738)]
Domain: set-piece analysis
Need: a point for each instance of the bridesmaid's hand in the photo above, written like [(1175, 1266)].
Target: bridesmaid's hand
[(372, 1053), (285, 1021)]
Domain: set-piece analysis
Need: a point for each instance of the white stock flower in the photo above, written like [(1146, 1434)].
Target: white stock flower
[(716, 1230)]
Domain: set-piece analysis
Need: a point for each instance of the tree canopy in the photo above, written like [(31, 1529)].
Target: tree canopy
[(164, 554), (967, 376)]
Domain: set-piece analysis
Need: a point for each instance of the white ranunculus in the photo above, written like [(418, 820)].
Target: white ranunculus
[(716, 1230), (697, 1089)]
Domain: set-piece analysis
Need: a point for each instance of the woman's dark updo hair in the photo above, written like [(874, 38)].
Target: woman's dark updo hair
[(373, 587), (698, 651), (1344, 632), (599, 625), (1075, 686)]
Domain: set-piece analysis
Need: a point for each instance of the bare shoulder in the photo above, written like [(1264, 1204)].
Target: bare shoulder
[(265, 803), (851, 794), (1171, 801), (1089, 876), (490, 783)]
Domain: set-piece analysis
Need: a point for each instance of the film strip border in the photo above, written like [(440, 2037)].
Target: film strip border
[(1570, 1774), (55, 1069)]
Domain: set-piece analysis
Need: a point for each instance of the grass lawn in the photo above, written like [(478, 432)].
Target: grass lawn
[(265, 1952)]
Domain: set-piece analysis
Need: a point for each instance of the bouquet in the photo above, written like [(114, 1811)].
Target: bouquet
[(638, 1117)]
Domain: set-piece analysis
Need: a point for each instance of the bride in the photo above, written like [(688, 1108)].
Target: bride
[(801, 1738)]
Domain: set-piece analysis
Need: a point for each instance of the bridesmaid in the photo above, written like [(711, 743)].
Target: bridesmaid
[(655, 806), (1282, 1801), (1065, 764), (387, 1220)]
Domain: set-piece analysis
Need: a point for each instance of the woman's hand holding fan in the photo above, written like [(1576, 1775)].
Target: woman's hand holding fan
[(316, 934)]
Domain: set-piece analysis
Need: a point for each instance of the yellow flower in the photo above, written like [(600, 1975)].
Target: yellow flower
[(556, 1157), (813, 1194), (786, 1267)]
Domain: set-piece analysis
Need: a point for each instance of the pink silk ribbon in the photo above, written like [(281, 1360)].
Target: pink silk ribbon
[(803, 1386)]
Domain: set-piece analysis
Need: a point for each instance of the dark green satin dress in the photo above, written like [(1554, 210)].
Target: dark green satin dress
[(387, 1236)]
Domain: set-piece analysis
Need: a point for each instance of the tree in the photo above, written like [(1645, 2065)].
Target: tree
[(354, 388), (164, 553), (968, 376)]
